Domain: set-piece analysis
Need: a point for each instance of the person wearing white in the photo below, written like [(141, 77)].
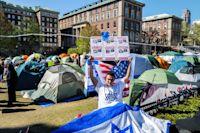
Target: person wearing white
[(82, 59), (109, 93)]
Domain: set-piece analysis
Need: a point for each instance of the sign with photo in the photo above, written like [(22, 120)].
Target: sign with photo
[(115, 48)]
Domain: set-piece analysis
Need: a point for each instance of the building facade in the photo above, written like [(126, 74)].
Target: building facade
[(186, 16), (168, 26), (118, 17), (48, 23), (24, 18)]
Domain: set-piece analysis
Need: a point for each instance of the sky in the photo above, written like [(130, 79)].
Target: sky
[(152, 7)]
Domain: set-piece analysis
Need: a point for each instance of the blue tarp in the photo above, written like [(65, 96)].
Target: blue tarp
[(175, 66), (29, 75)]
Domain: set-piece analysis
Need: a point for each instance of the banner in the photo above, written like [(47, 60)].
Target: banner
[(115, 48)]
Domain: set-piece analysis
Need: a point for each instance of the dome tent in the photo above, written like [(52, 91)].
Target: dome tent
[(59, 83), (30, 74)]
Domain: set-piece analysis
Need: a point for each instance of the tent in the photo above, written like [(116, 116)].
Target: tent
[(35, 57), (163, 64), (59, 83), (25, 57), (119, 118), (175, 66), (63, 55), (189, 54), (75, 67), (139, 64), (192, 59), (30, 74), (171, 56), (17, 60), (153, 61), (159, 76), (189, 75), (135, 91), (66, 59)]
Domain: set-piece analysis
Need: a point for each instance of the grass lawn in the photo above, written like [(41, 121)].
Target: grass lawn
[(39, 119)]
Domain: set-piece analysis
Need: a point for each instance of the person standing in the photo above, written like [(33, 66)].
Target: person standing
[(109, 93), (11, 78)]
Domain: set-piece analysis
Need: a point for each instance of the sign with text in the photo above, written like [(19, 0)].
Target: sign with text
[(115, 48)]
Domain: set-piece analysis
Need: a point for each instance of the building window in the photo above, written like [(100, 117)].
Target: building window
[(126, 24), (47, 19), (19, 23), (108, 14), (114, 24), (115, 5), (108, 7), (138, 13), (127, 12), (115, 12), (132, 26), (97, 17), (114, 33), (102, 15), (8, 15), (101, 26), (18, 17), (126, 33), (108, 25), (132, 12), (102, 9), (13, 16), (137, 27)]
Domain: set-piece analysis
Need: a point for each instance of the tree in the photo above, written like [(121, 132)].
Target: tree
[(185, 29), (83, 44), (195, 33), (6, 28)]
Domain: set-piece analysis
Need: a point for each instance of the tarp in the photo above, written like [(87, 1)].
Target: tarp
[(119, 118), (30, 74), (17, 60), (175, 66), (192, 59), (171, 56), (164, 64), (59, 83), (159, 76), (63, 55), (153, 61)]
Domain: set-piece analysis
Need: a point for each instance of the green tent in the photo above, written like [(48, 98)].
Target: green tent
[(74, 66), (171, 53), (59, 83), (192, 59), (159, 76), (153, 61), (135, 91)]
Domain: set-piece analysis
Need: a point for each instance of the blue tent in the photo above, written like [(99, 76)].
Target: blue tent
[(119, 118), (29, 75), (175, 66), (139, 65)]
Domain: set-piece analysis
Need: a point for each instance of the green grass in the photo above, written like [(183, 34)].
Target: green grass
[(40, 119), (181, 111)]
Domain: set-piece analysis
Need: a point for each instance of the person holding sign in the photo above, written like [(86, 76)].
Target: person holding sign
[(109, 93)]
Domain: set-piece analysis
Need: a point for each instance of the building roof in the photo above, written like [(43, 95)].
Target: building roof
[(160, 16), (37, 9), (94, 5), (18, 7)]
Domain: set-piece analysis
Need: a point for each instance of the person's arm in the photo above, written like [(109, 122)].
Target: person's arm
[(94, 80), (128, 71)]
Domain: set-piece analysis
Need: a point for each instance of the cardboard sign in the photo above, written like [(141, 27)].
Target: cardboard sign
[(115, 48)]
